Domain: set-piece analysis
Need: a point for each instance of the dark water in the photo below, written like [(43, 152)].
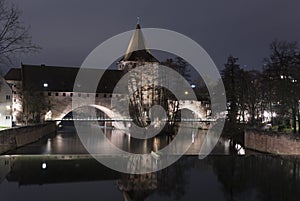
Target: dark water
[(67, 174)]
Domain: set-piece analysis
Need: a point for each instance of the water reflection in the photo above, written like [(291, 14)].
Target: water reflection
[(254, 177), (60, 168), (67, 142)]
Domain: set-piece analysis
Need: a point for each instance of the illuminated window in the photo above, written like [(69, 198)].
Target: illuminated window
[(45, 85)]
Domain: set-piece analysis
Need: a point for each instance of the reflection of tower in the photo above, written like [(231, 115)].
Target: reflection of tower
[(137, 187), (140, 84)]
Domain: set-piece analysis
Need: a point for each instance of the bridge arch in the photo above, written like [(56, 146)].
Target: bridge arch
[(108, 112), (194, 106)]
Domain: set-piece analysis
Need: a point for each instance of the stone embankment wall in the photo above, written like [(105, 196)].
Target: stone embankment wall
[(11, 139), (272, 142)]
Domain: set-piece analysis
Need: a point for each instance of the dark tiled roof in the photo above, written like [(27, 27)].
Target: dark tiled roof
[(13, 74), (63, 78)]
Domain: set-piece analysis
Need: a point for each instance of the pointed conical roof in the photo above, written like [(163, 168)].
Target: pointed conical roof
[(137, 49)]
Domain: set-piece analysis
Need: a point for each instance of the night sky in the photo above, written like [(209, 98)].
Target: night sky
[(68, 30)]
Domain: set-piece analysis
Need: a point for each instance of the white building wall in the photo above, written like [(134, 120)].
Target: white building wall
[(5, 105)]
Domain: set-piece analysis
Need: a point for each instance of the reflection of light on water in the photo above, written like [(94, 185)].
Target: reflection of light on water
[(48, 146), (59, 141), (227, 146), (145, 146), (193, 137), (156, 144)]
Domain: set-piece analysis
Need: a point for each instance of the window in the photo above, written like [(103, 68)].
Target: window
[(87, 95), (104, 95), (97, 95), (49, 93), (7, 117), (64, 94), (56, 94), (15, 100), (71, 94), (79, 94), (110, 95), (7, 97)]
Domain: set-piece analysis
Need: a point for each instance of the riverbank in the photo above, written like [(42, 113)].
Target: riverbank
[(13, 138), (272, 142)]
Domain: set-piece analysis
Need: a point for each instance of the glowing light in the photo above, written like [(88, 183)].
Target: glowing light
[(44, 165), (45, 85), (240, 149), (186, 93), (267, 114), (193, 86), (48, 115)]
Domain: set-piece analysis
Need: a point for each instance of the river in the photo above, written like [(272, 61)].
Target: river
[(60, 168)]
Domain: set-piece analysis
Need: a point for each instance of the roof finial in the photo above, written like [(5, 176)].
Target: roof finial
[(138, 19)]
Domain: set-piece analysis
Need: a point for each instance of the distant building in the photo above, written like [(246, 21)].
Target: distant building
[(51, 89), (5, 105)]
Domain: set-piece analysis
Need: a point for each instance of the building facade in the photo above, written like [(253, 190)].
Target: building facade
[(5, 104)]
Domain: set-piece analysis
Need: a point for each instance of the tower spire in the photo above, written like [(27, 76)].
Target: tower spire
[(137, 49)]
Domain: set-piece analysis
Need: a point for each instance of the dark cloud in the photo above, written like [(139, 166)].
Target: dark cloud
[(68, 30)]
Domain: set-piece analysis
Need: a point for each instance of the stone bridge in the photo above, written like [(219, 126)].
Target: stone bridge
[(61, 105)]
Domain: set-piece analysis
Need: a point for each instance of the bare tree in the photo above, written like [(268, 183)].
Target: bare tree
[(282, 67), (14, 35)]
